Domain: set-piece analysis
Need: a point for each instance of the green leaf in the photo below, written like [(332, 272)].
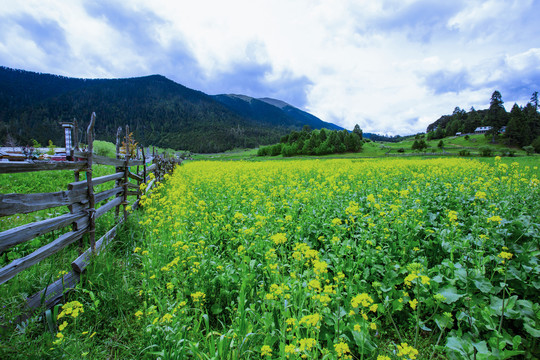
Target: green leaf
[(516, 341), (534, 332), (509, 304), (483, 285), (450, 295), (460, 345), (481, 347), (423, 326), (507, 354), (442, 321), (216, 309)]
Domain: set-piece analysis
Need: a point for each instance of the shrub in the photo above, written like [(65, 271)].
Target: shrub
[(467, 137), (529, 149), (51, 148), (288, 150), (401, 150), (464, 153), (104, 148), (508, 152), (263, 151), (275, 150), (486, 151)]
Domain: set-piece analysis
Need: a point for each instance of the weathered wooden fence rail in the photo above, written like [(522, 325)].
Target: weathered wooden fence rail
[(83, 212)]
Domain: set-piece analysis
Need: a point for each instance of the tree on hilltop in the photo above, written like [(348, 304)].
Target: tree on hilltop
[(358, 131)]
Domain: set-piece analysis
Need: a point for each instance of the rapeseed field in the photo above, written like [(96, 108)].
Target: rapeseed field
[(342, 259)]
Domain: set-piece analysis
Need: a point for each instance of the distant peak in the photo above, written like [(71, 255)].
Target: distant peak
[(277, 103), (239, 96)]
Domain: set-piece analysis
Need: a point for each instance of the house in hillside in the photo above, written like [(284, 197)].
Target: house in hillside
[(482, 129)]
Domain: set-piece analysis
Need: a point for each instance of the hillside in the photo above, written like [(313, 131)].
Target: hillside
[(272, 112), (519, 127), (159, 112)]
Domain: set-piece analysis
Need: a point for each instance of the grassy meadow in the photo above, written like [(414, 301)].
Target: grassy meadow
[(386, 258)]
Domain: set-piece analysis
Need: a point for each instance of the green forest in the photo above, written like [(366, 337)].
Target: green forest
[(316, 142), (158, 111)]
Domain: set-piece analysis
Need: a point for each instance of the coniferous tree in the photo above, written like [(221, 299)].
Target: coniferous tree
[(497, 116), (532, 117), (517, 130), (358, 131), (472, 122)]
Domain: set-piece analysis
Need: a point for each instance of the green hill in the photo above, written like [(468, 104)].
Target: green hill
[(159, 112)]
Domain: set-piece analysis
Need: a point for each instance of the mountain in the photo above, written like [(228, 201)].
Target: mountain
[(158, 111), (272, 112)]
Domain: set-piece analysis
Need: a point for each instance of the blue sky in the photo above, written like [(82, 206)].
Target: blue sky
[(391, 66)]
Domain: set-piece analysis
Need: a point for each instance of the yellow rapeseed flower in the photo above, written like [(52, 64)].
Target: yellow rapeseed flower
[(266, 351)]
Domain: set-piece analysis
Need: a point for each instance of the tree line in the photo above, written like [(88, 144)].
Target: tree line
[(316, 142)]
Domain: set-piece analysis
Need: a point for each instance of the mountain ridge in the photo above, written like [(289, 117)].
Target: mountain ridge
[(158, 110)]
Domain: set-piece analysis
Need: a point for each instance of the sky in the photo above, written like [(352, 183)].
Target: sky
[(391, 66)]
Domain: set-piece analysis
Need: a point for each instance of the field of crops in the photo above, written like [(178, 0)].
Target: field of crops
[(334, 259)]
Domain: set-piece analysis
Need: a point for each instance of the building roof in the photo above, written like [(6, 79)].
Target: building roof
[(483, 128)]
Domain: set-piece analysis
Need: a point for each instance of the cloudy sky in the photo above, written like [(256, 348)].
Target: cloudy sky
[(392, 66)]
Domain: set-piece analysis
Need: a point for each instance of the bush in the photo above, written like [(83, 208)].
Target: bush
[(486, 151), (464, 153), (275, 150), (263, 151), (104, 148), (467, 137), (288, 150), (401, 150), (419, 145), (51, 148), (508, 152), (529, 149)]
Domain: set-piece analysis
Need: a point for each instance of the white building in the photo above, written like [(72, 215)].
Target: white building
[(482, 129)]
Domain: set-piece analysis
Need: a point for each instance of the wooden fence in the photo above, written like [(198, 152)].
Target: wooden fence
[(83, 213)]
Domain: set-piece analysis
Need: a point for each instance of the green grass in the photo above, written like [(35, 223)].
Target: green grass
[(107, 293), (14, 292)]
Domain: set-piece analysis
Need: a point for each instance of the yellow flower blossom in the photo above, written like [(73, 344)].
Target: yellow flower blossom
[(505, 255), (342, 350), (306, 344), (405, 350), (279, 238), (495, 218)]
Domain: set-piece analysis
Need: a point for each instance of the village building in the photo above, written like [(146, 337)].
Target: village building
[(482, 129)]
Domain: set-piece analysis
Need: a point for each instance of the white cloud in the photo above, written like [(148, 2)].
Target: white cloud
[(390, 66)]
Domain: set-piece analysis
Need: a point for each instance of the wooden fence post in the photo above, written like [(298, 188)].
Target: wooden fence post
[(91, 199), (144, 174), (126, 172), (117, 169)]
